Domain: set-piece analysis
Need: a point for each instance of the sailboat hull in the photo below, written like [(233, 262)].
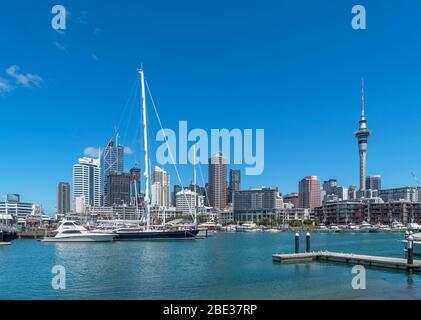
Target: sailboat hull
[(189, 234)]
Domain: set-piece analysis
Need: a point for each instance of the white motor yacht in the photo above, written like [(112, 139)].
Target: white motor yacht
[(413, 226), (366, 227), (247, 227), (397, 226), (71, 231)]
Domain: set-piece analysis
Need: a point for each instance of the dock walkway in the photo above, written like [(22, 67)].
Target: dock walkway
[(349, 258)]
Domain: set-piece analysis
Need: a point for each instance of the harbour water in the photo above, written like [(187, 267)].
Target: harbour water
[(225, 266)]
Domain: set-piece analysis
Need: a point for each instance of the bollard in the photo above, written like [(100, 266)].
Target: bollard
[(308, 242), (297, 242), (410, 247)]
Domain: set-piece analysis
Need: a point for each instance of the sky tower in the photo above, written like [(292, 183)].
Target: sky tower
[(362, 135)]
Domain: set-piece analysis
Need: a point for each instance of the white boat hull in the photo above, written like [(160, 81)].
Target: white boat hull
[(82, 238)]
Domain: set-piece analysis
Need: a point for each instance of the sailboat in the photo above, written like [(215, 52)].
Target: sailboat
[(148, 232)]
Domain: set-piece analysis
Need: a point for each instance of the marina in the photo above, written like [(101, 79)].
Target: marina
[(228, 265)]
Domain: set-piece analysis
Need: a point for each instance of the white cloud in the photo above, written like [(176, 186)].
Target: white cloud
[(4, 86), (26, 80), (128, 151), (94, 57), (91, 152), (97, 31)]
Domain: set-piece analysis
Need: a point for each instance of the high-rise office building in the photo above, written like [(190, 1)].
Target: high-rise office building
[(309, 195), (362, 135), (118, 189), (373, 182), (112, 161), (135, 181), (87, 181), (160, 188), (63, 198), (234, 183), (218, 182), (291, 198)]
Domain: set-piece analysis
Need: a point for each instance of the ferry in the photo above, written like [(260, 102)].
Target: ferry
[(247, 227)]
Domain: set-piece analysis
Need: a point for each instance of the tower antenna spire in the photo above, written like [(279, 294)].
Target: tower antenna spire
[(362, 99)]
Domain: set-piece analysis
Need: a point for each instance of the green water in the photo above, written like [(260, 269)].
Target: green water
[(225, 266)]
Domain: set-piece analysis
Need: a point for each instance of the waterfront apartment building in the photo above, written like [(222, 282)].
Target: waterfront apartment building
[(14, 207), (398, 194), (234, 183), (345, 212), (63, 198), (112, 160), (87, 181), (218, 182), (160, 188), (186, 201), (309, 194), (340, 212), (118, 189), (373, 182), (255, 204)]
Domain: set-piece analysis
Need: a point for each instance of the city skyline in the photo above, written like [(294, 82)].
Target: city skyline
[(313, 88)]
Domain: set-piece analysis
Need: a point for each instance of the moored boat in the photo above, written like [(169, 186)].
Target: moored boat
[(70, 231)]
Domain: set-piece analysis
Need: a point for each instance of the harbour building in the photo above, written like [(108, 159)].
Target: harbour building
[(397, 194), (255, 204), (186, 201), (87, 181), (14, 207)]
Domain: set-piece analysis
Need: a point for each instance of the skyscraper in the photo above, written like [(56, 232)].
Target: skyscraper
[(135, 180), (218, 181), (63, 198), (373, 182), (118, 189), (309, 195), (160, 188), (362, 135), (234, 184), (112, 161), (87, 181)]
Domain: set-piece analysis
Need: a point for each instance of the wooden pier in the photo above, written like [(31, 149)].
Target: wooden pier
[(396, 264)]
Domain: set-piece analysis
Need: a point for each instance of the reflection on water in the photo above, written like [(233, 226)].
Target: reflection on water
[(226, 266)]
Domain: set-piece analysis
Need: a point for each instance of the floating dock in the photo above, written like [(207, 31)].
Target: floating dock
[(396, 264)]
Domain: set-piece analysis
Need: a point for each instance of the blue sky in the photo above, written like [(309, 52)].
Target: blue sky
[(293, 68)]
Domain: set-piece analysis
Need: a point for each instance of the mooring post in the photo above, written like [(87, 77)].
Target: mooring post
[(297, 242), (410, 250), (308, 242)]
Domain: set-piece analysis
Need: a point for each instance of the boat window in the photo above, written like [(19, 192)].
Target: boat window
[(71, 231)]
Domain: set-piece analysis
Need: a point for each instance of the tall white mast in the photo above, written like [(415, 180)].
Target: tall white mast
[(145, 148), (194, 182)]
